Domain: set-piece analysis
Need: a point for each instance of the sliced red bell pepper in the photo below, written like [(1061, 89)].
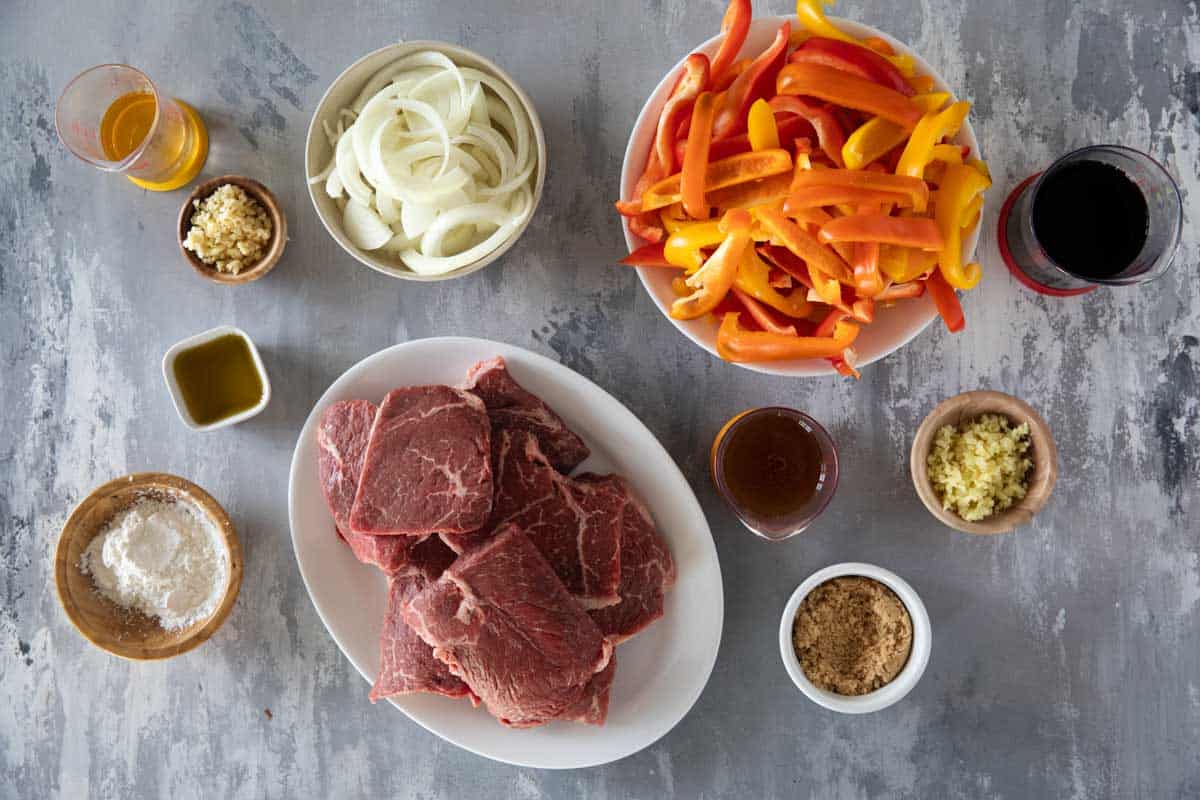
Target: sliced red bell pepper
[(739, 345), (946, 300), (757, 82), (834, 316), (689, 87), (730, 75), (737, 169), (779, 279), (650, 255), (695, 159), (918, 232), (790, 128), (847, 90), (787, 261), (851, 58), (763, 315), (830, 134), (734, 25)]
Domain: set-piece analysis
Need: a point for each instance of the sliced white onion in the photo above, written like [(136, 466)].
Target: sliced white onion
[(432, 163), (364, 227)]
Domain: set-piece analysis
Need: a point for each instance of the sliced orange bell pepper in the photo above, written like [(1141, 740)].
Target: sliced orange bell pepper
[(761, 127), (739, 345), (695, 158), (917, 232), (921, 83), (736, 169), (914, 188), (960, 185), (712, 281), (757, 82), (902, 291), (690, 85), (817, 196), (853, 58), (746, 195), (878, 45), (734, 25), (803, 244), (947, 302), (932, 128), (848, 91), (812, 17)]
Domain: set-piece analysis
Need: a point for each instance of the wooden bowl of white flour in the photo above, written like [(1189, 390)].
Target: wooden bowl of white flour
[(148, 566)]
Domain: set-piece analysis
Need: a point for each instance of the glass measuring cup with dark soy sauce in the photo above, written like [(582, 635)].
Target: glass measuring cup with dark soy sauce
[(1101, 216), (777, 468)]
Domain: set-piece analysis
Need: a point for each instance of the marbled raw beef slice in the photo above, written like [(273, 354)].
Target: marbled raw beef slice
[(427, 467)]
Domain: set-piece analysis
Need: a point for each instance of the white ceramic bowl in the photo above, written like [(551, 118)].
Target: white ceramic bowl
[(342, 92), (168, 370), (893, 327), (885, 695)]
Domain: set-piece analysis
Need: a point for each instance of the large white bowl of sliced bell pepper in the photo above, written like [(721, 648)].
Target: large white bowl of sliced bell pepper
[(803, 274)]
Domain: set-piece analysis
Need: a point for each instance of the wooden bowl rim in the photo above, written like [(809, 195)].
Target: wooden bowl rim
[(278, 230), (200, 631), (968, 405)]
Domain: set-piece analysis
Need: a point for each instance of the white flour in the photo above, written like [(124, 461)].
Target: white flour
[(164, 559)]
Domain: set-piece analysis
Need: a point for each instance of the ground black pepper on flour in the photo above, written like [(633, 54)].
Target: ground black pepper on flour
[(852, 635)]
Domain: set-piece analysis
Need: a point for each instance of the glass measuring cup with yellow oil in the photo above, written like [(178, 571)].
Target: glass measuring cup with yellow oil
[(115, 118)]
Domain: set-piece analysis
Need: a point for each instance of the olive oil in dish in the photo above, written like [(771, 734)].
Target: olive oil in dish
[(218, 379)]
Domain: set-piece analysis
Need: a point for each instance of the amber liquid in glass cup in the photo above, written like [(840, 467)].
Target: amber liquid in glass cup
[(114, 118), (777, 468)]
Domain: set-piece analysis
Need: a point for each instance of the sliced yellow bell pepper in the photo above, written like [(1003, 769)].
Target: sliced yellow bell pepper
[(947, 153), (812, 17), (928, 133), (684, 244), (761, 127), (673, 218), (876, 137), (754, 278), (960, 186), (712, 281), (981, 166), (971, 213)]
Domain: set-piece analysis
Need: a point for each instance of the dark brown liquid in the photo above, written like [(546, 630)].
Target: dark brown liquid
[(218, 379), (771, 465), (1091, 219)]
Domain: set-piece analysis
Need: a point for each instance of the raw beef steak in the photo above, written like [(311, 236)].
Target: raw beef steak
[(592, 707), (427, 466), (342, 441), (647, 571), (511, 407), (576, 525), (501, 620), (342, 444), (406, 664)]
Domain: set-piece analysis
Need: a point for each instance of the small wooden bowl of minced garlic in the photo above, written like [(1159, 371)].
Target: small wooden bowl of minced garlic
[(148, 566), (984, 462), (232, 230)]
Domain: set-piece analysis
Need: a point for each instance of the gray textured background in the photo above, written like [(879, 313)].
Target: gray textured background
[(1066, 659)]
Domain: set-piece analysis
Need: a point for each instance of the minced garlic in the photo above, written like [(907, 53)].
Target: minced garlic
[(980, 468), (230, 229)]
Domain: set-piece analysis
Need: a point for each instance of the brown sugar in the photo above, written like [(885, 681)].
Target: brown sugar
[(852, 635)]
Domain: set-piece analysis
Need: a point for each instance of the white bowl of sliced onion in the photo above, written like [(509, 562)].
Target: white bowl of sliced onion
[(425, 161)]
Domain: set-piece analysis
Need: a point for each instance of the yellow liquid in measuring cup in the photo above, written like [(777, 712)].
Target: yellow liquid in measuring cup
[(181, 141)]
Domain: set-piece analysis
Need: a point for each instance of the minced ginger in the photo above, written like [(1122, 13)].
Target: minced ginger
[(230, 229), (980, 468)]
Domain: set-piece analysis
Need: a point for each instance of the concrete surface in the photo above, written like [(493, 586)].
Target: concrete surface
[(1066, 660)]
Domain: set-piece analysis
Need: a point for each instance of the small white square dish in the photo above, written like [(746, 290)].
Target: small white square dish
[(178, 395)]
